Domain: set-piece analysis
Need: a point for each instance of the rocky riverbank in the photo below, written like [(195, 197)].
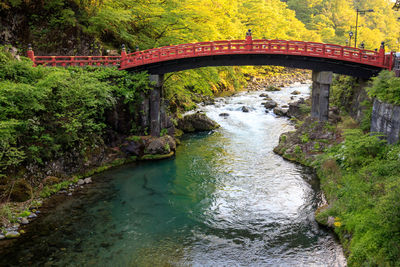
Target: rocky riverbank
[(273, 81), (133, 148)]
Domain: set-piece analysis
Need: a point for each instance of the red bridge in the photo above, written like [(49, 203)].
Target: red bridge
[(297, 54)]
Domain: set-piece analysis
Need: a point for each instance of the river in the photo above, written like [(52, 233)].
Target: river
[(225, 200)]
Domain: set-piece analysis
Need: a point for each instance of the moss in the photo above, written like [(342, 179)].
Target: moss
[(50, 180), (134, 138), (20, 191), (157, 157)]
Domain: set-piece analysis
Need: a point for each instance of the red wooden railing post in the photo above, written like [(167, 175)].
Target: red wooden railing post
[(31, 54), (381, 54), (391, 60), (249, 40), (123, 57)]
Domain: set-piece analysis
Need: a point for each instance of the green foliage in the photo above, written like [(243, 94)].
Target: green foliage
[(365, 123), (333, 19), (24, 213), (305, 138), (386, 87), (47, 112), (163, 132), (358, 149), (342, 91), (361, 180), (52, 189), (6, 212), (134, 138)]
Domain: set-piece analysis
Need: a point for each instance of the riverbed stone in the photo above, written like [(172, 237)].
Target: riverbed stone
[(280, 111), (272, 88), (264, 95), (32, 215), (2, 237), (160, 145), (81, 182), (295, 92), (24, 221), (295, 110), (269, 104), (245, 109), (12, 234), (197, 122), (224, 115), (133, 145), (88, 180)]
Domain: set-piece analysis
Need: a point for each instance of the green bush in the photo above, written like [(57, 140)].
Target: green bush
[(47, 112), (364, 192), (386, 87)]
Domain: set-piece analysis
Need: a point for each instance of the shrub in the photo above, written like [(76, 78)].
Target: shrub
[(385, 87)]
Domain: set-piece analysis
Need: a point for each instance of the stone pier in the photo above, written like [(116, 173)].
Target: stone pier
[(320, 94), (155, 104)]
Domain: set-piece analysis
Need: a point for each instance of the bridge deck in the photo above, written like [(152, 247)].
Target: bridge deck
[(211, 53), (296, 48)]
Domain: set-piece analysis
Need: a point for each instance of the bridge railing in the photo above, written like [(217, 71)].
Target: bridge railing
[(248, 46), (300, 48), (66, 61)]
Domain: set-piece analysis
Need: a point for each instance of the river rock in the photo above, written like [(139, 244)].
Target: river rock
[(280, 111), (224, 115), (209, 102), (245, 109), (21, 191), (12, 234), (269, 104), (32, 215), (133, 145), (81, 182), (160, 145), (2, 237), (264, 95), (24, 221), (196, 122), (295, 92), (272, 88), (88, 180), (294, 109)]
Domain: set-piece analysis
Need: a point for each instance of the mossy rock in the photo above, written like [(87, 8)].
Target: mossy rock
[(21, 191), (50, 180)]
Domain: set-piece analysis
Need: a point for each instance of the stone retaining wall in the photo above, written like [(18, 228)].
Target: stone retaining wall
[(386, 119)]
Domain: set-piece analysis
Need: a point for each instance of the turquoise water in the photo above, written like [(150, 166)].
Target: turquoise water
[(225, 200)]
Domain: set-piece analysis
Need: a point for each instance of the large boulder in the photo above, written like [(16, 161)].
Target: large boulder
[(133, 146), (269, 104), (298, 109), (20, 191), (196, 122), (280, 111), (160, 145)]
